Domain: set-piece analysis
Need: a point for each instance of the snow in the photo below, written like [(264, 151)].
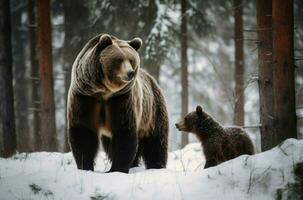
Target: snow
[(46, 175)]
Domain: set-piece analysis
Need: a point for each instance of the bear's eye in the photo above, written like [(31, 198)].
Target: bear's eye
[(132, 61)]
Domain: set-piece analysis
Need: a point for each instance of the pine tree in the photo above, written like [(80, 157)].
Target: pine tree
[(264, 21), (48, 123), (239, 64), (21, 86), (6, 82), (34, 72), (285, 121), (184, 68)]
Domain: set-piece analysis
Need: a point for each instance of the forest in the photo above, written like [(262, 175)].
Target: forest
[(241, 60)]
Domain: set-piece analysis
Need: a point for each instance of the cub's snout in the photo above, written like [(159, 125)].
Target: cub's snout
[(181, 126)]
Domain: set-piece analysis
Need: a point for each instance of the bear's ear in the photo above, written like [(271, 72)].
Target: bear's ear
[(136, 43), (199, 110), (104, 41)]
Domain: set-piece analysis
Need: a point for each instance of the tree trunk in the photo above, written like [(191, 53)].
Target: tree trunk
[(76, 19), (20, 88), (6, 82), (264, 15), (48, 124), (239, 64), (34, 71), (184, 70), (285, 121)]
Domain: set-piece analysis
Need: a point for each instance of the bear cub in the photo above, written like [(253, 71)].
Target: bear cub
[(219, 143)]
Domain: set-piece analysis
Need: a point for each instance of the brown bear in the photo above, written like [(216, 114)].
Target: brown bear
[(219, 143), (111, 98)]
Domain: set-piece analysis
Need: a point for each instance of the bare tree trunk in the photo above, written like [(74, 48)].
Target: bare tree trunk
[(6, 82), (48, 123), (284, 70), (21, 86), (264, 15), (76, 18), (35, 98), (184, 70), (239, 65)]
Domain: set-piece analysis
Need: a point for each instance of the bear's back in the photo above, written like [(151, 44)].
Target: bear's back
[(240, 139)]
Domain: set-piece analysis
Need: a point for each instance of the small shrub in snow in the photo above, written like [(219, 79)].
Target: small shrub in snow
[(36, 189), (101, 197)]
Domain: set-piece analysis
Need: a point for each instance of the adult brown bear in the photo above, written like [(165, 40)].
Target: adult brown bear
[(111, 98)]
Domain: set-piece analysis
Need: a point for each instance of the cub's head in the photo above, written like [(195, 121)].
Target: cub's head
[(193, 121), (119, 61)]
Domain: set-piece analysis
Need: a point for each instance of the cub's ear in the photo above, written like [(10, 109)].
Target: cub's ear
[(104, 41), (199, 110), (136, 43)]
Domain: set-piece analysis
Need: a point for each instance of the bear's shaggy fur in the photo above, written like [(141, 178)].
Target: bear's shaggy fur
[(219, 144), (111, 98)]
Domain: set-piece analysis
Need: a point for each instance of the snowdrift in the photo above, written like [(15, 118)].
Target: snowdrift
[(43, 175)]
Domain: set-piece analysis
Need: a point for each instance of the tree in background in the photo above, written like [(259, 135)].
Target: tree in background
[(6, 82), (239, 65), (199, 25), (48, 124), (34, 73), (285, 121), (158, 35), (298, 47), (264, 29), (184, 70), (76, 20), (19, 36)]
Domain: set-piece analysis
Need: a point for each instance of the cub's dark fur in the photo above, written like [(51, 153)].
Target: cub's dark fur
[(219, 144)]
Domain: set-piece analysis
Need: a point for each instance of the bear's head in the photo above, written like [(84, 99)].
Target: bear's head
[(119, 61), (197, 121), (106, 66)]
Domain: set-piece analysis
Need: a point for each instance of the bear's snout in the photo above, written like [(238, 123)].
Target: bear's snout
[(180, 126), (127, 73), (130, 74)]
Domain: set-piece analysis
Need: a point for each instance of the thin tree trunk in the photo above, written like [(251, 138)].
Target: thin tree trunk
[(48, 124), (21, 87), (34, 71), (184, 70), (284, 70), (6, 82), (264, 15), (76, 18), (239, 65)]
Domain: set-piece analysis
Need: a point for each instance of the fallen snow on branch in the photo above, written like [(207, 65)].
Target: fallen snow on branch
[(54, 176)]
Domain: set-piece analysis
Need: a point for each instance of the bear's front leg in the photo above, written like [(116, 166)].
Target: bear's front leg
[(83, 124), (124, 149), (84, 145)]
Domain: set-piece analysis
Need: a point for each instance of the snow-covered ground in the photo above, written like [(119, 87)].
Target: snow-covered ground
[(54, 176)]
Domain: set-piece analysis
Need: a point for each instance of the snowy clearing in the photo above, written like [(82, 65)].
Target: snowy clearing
[(54, 176)]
